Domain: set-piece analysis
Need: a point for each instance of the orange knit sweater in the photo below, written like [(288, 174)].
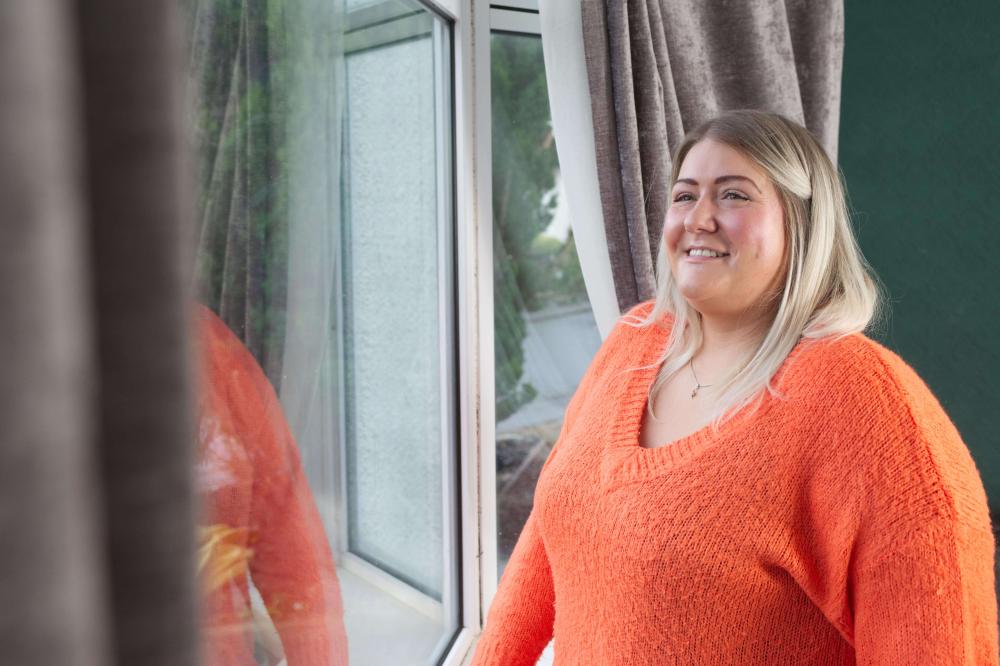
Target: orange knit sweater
[(845, 524), (258, 517)]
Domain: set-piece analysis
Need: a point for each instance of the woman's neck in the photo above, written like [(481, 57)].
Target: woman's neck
[(726, 340)]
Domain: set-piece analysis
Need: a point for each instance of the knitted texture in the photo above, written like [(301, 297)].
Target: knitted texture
[(258, 516), (845, 523)]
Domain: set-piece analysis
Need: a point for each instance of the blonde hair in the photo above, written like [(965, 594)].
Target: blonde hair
[(830, 290)]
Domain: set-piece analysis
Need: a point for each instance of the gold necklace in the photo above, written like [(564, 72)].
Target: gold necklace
[(699, 384)]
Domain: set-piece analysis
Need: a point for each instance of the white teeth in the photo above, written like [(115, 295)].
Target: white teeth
[(703, 253)]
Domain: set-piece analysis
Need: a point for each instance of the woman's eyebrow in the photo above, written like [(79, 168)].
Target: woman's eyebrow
[(720, 179)]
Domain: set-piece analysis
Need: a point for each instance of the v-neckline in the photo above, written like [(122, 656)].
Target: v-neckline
[(625, 456)]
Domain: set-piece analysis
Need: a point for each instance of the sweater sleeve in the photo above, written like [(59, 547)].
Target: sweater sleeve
[(292, 565), (923, 579), (929, 600), (521, 618), (519, 624)]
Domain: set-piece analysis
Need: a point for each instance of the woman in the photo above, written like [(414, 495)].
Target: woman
[(743, 477)]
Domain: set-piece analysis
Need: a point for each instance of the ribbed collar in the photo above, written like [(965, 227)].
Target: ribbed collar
[(625, 458)]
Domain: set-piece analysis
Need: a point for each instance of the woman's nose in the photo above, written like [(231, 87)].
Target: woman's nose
[(701, 217)]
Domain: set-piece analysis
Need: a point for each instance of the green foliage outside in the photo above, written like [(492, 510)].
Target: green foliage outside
[(532, 271)]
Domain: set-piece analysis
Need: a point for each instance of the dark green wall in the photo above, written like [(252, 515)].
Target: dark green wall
[(920, 149)]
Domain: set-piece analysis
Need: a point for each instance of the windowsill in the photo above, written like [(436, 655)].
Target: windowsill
[(546, 658), (381, 629)]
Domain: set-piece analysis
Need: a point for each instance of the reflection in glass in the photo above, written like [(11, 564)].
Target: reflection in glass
[(321, 131), (545, 334), (258, 519)]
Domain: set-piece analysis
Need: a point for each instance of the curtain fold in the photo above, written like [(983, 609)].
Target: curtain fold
[(52, 577), (96, 464), (658, 68), (139, 208)]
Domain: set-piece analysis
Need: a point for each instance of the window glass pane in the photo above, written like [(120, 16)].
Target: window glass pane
[(327, 447), (394, 437), (545, 334)]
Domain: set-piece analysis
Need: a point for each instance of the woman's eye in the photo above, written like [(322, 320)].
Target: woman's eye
[(736, 195), (683, 196)]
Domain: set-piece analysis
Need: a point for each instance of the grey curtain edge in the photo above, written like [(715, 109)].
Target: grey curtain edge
[(51, 565), (141, 227)]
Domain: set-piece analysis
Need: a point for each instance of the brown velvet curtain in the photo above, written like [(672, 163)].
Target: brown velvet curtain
[(658, 68), (96, 501)]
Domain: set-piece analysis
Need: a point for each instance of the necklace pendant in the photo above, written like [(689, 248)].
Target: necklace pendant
[(695, 392)]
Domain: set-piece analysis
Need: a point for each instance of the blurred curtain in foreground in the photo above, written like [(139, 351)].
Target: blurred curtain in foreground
[(96, 464), (658, 68)]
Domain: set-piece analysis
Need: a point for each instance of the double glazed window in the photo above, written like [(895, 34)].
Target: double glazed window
[(325, 137), (398, 491), (326, 225)]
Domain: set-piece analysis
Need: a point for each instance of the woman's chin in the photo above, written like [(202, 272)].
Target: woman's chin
[(698, 293)]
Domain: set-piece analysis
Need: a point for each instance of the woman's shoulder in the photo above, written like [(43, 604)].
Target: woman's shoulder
[(640, 309), (634, 336), (641, 317), (906, 452), (849, 363), (868, 383), (637, 331)]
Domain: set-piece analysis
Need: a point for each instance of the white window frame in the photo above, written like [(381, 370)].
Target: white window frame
[(472, 23), (474, 290), (458, 491), (475, 195), (523, 22), (474, 188), (520, 21)]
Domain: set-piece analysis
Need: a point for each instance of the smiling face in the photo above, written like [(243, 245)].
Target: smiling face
[(725, 204)]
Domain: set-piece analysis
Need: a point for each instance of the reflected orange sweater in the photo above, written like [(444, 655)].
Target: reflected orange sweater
[(258, 517), (845, 524)]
